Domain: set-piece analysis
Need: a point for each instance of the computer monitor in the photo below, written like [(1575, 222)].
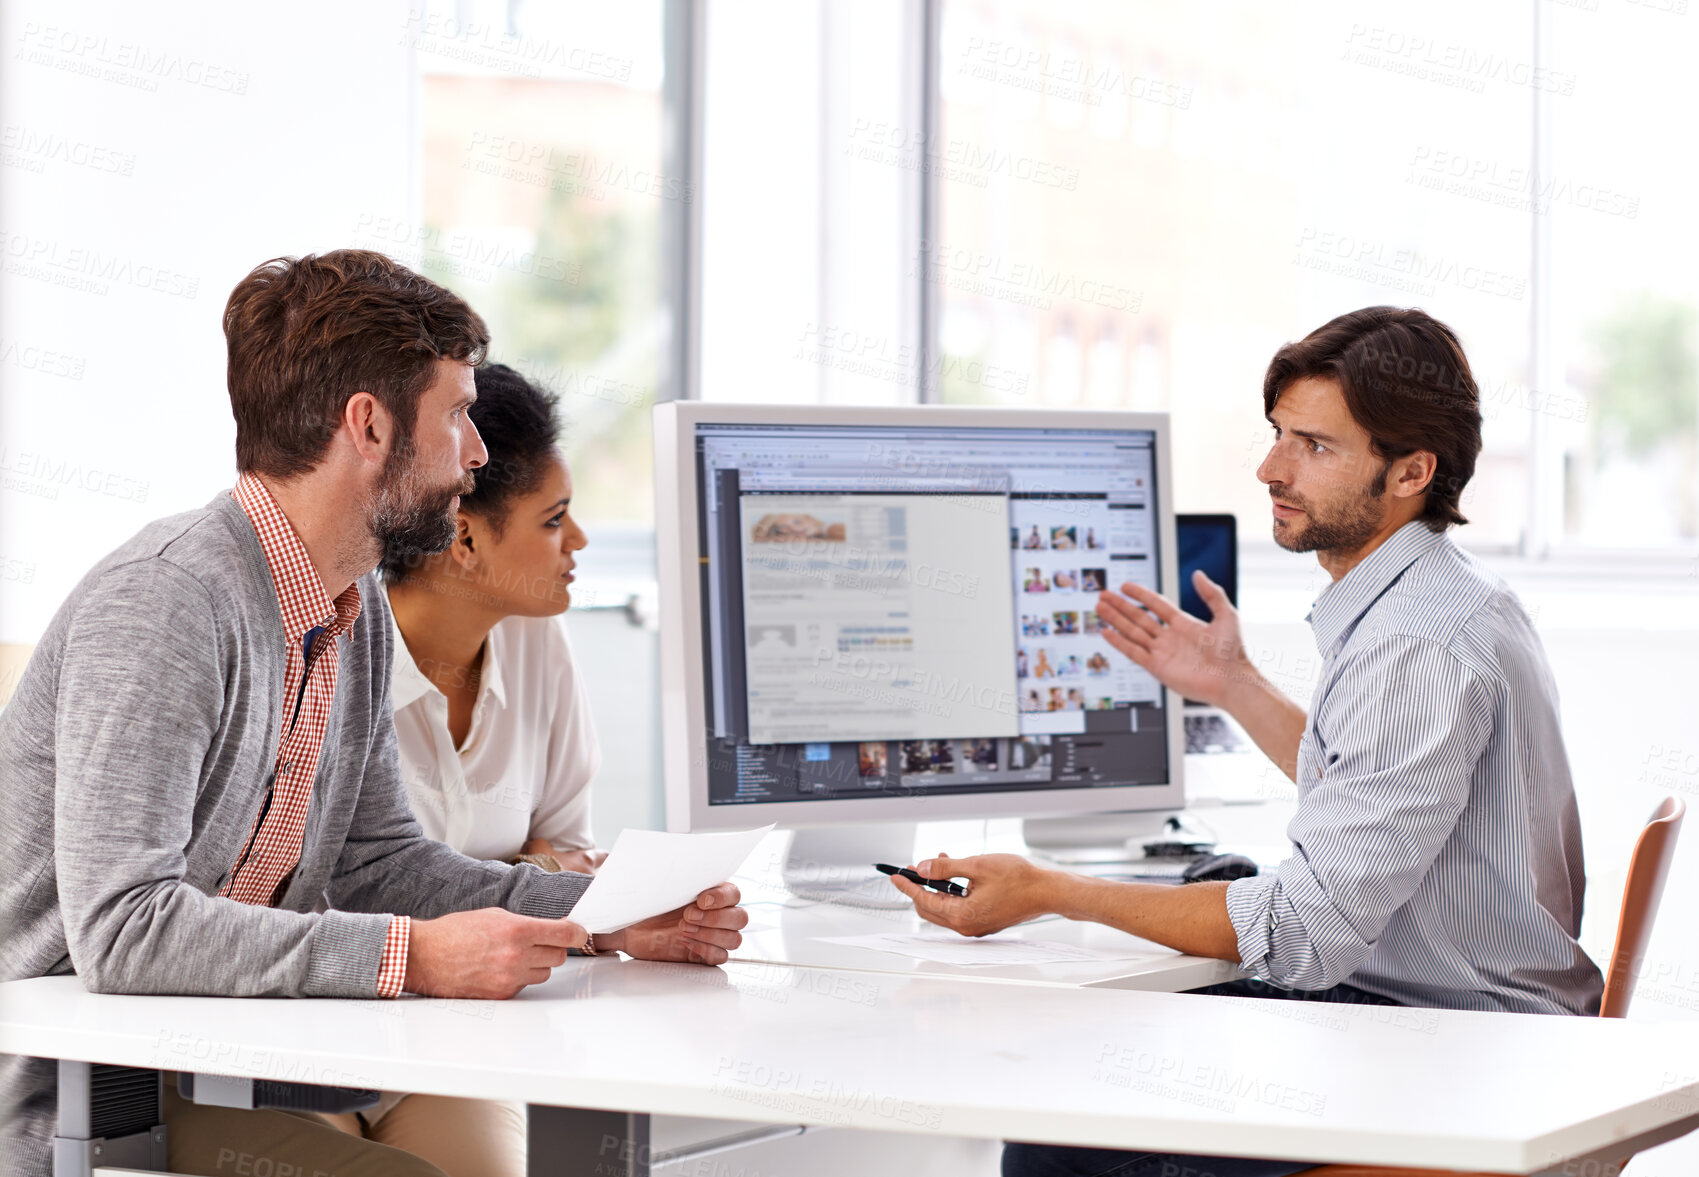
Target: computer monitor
[(875, 615)]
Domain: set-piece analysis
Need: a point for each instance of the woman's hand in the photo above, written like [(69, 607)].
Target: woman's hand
[(707, 931), (583, 862)]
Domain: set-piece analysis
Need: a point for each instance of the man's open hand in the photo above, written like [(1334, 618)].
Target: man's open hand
[(488, 953), (707, 931), (1200, 661)]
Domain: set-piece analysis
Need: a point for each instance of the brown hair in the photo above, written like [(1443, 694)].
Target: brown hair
[(305, 334), (1408, 385)]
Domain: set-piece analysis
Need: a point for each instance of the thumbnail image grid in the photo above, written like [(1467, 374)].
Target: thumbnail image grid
[(982, 759), (1060, 567)]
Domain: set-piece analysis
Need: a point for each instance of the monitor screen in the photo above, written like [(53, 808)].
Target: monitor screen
[(899, 611), (1209, 542)]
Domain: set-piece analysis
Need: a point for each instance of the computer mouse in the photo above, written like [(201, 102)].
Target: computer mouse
[(1218, 867)]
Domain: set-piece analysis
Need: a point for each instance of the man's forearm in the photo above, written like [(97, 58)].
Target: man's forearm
[(1273, 720), (1191, 918), (384, 875)]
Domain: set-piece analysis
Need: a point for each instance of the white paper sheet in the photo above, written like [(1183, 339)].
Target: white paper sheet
[(649, 872), (948, 948)]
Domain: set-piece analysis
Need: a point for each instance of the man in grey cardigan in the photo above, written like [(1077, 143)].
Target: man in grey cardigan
[(199, 791)]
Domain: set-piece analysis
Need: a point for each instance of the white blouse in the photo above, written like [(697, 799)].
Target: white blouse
[(525, 768)]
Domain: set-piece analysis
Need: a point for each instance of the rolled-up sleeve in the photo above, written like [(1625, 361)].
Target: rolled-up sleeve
[(1395, 745)]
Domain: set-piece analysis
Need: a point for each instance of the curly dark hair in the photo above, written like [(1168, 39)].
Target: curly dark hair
[(517, 420)]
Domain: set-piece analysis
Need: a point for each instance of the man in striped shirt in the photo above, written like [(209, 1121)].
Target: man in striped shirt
[(1436, 849)]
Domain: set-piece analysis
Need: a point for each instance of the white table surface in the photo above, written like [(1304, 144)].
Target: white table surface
[(788, 931), (785, 929), (923, 1055)]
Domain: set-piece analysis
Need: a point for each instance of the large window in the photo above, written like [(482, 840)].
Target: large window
[(1093, 205), (1624, 240), (809, 236), (544, 195), (1138, 204)]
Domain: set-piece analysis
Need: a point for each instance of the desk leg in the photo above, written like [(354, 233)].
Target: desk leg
[(563, 1141), (108, 1117)]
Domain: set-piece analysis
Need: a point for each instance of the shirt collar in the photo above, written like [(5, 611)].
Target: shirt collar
[(301, 596), (490, 676), (410, 683), (1348, 598)]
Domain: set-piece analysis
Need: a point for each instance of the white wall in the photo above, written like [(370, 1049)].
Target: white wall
[(151, 157)]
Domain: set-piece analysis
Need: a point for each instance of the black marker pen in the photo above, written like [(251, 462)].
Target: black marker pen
[(944, 885)]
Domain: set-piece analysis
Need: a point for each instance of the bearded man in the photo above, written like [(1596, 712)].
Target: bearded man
[(1436, 851), (199, 786)]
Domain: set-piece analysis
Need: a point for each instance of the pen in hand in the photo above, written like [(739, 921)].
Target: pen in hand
[(944, 885)]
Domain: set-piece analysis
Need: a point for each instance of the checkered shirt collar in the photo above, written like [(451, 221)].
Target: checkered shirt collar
[(301, 595)]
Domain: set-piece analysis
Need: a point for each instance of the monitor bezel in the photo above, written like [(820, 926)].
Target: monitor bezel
[(683, 673)]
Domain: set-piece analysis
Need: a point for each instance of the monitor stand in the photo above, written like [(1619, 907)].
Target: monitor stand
[(835, 864), (1101, 838)]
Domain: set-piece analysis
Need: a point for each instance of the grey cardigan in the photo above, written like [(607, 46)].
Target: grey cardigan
[(133, 760)]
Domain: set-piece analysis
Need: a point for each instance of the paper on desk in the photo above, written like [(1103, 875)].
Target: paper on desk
[(649, 872), (948, 948)]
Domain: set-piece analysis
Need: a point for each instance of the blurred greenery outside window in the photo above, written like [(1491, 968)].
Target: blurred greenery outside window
[(542, 205), (1139, 204)]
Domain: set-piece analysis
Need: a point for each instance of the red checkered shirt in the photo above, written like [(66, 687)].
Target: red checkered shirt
[(273, 848)]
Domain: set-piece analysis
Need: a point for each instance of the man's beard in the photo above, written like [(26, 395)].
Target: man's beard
[(409, 519), (1349, 527)]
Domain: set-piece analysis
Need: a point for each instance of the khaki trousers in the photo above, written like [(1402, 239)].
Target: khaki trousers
[(462, 1137), (419, 1136), (229, 1142)]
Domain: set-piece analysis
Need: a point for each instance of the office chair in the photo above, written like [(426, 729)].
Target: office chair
[(1648, 868)]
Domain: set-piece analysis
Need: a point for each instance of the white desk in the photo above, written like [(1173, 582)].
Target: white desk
[(790, 935), (787, 930), (921, 1055)]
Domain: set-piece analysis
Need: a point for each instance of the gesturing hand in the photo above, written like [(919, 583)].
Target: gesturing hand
[(1200, 661), (707, 931), (489, 953)]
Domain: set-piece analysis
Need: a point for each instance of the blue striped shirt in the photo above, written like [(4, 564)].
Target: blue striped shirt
[(1436, 851)]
